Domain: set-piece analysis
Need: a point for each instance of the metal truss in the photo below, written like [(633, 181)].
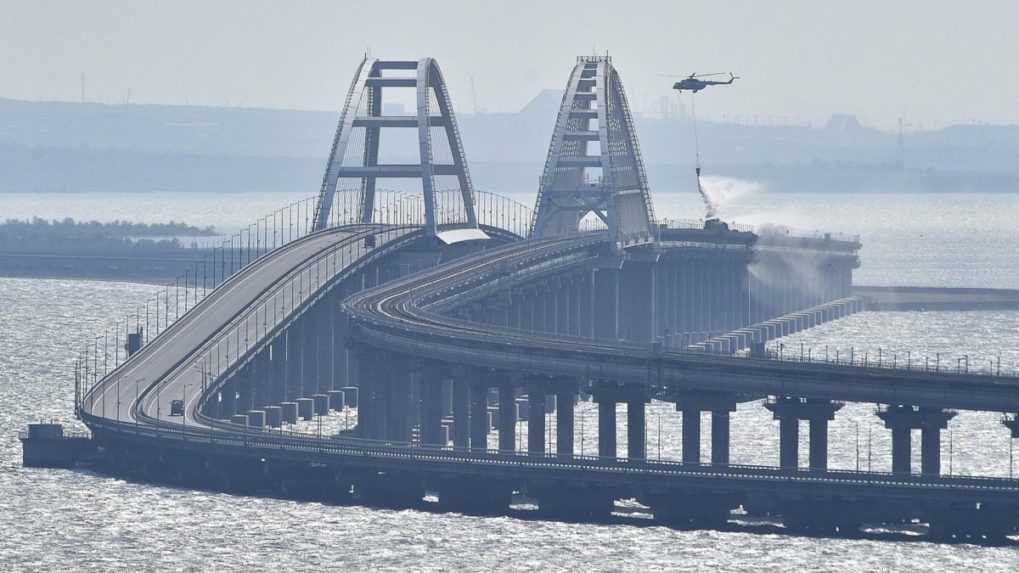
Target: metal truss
[(608, 181), (355, 149)]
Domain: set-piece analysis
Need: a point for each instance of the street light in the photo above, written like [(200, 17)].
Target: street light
[(857, 427)]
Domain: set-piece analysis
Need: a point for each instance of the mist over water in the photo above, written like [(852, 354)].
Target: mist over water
[(78, 520)]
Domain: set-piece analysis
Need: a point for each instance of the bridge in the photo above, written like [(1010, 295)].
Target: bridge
[(439, 314)]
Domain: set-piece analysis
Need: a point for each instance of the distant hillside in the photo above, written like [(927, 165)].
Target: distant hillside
[(50, 146)]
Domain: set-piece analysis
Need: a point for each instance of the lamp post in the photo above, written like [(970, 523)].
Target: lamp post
[(658, 416), (857, 428)]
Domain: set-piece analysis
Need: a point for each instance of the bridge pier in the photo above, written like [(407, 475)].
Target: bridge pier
[(277, 370), (309, 357), (789, 411), (536, 396), (566, 395), (691, 403), (292, 361), (636, 302), (507, 417), (399, 402), (479, 413), (901, 420), (636, 424), (381, 391), (607, 395), (431, 406), (461, 410), (366, 367), (606, 425)]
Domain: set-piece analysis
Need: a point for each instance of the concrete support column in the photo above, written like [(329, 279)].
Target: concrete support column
[(691, 403), (565, 398), (930, 451), (606, 427), (382, 397), (265, 378), (788, 442), (901, 450), (309, 365), (431, 408), (363, 363), (637, 300), (536, 418), (461, 415), (605, 303), (901, 420), (818, 444), (691, 435), (292, 377), (479, 416), (507, 418), (789, 411), (720, 437), (636, 428), (399, 401)]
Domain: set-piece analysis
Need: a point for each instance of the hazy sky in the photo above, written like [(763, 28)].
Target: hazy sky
[(930, 62)]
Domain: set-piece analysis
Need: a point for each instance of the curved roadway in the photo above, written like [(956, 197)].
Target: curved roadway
[(205, 340), (407, 315), (403, 315)]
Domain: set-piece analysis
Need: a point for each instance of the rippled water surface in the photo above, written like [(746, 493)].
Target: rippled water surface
[(73, 520)]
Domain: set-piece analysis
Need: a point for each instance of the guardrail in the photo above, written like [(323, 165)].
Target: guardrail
[(251, 439), (940, 365), (101, 355)]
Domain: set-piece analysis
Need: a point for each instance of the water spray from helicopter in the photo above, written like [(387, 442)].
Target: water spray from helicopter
[(693, 84)]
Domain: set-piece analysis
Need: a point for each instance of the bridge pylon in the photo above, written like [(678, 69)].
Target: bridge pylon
[(359, 152), (594, 163)]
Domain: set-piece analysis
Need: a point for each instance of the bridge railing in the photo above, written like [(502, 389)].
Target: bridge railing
[(940, 363), (251, 438), (235, 343), (110, 345)]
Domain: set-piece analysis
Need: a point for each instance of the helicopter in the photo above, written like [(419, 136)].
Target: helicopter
[(694, 83)]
